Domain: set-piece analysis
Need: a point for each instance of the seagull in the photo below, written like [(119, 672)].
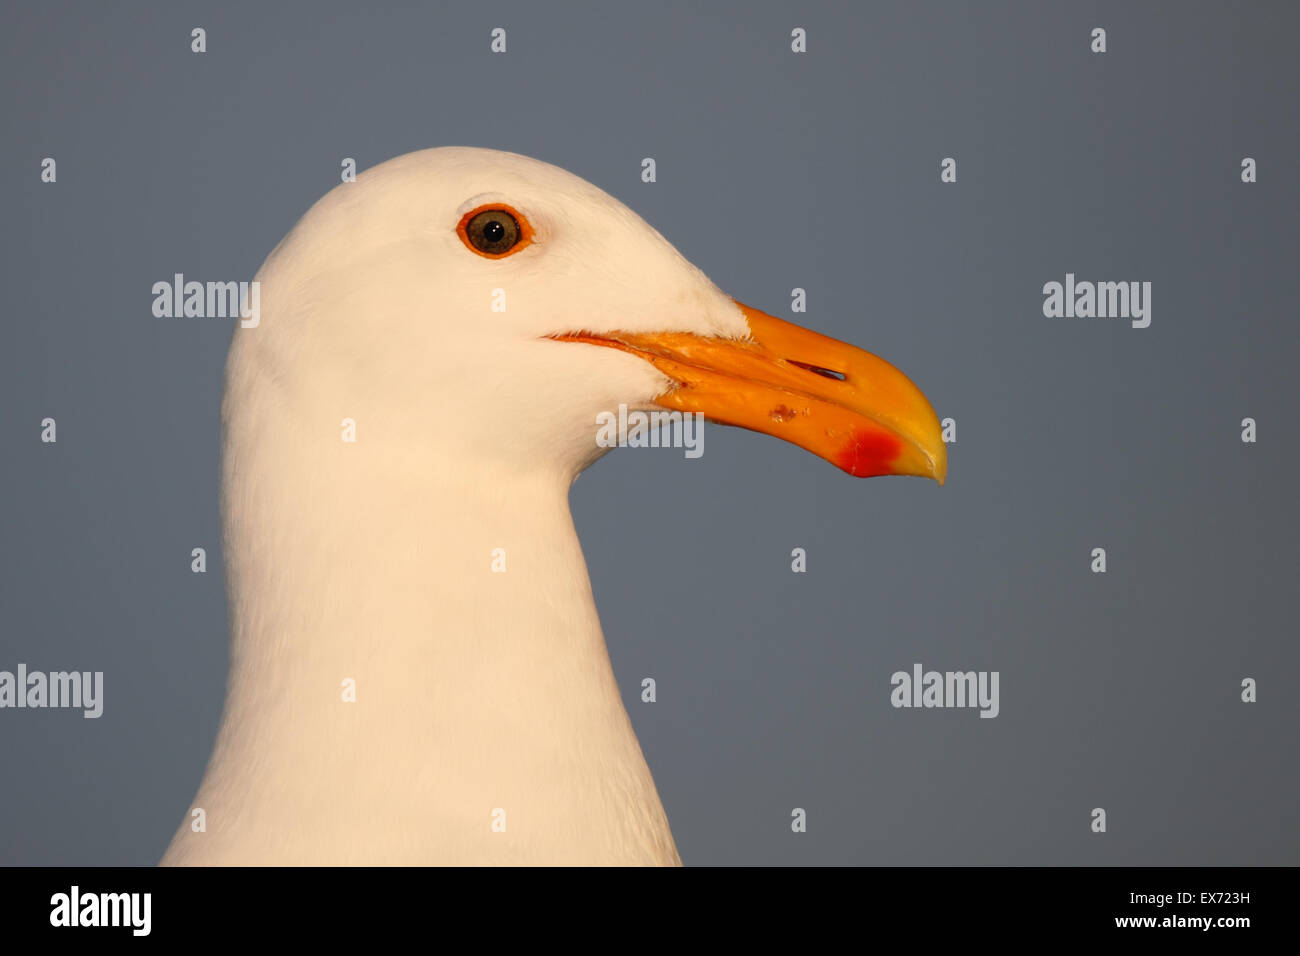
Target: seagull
[(417, 672)]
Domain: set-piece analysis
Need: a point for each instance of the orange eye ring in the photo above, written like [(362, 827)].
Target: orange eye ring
[(476, 232)]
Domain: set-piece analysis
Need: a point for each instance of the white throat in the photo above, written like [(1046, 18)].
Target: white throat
[(487, 726)]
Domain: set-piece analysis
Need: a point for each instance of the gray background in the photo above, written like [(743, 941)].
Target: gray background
[(775, 170)]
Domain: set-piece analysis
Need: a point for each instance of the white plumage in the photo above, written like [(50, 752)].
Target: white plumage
[(477, 692)]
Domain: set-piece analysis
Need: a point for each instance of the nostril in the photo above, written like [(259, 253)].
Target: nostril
[(818, 370)]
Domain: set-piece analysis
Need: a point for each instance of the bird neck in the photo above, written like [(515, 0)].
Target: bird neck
[(418, 673)]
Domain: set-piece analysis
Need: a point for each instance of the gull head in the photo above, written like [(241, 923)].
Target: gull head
[(491, 305)]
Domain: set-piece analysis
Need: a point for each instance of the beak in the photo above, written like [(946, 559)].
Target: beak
[(835, 400)]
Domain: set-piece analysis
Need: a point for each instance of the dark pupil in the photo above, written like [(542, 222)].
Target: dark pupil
[(494, 231)]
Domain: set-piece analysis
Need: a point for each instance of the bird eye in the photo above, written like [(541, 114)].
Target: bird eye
[(494, 231)]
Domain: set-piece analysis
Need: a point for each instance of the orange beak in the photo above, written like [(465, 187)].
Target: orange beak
[(835, 400)]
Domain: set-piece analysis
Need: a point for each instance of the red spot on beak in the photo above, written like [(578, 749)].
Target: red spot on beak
[(869, 453)]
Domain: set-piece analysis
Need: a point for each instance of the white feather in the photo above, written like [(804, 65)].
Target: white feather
[(475, 691)]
